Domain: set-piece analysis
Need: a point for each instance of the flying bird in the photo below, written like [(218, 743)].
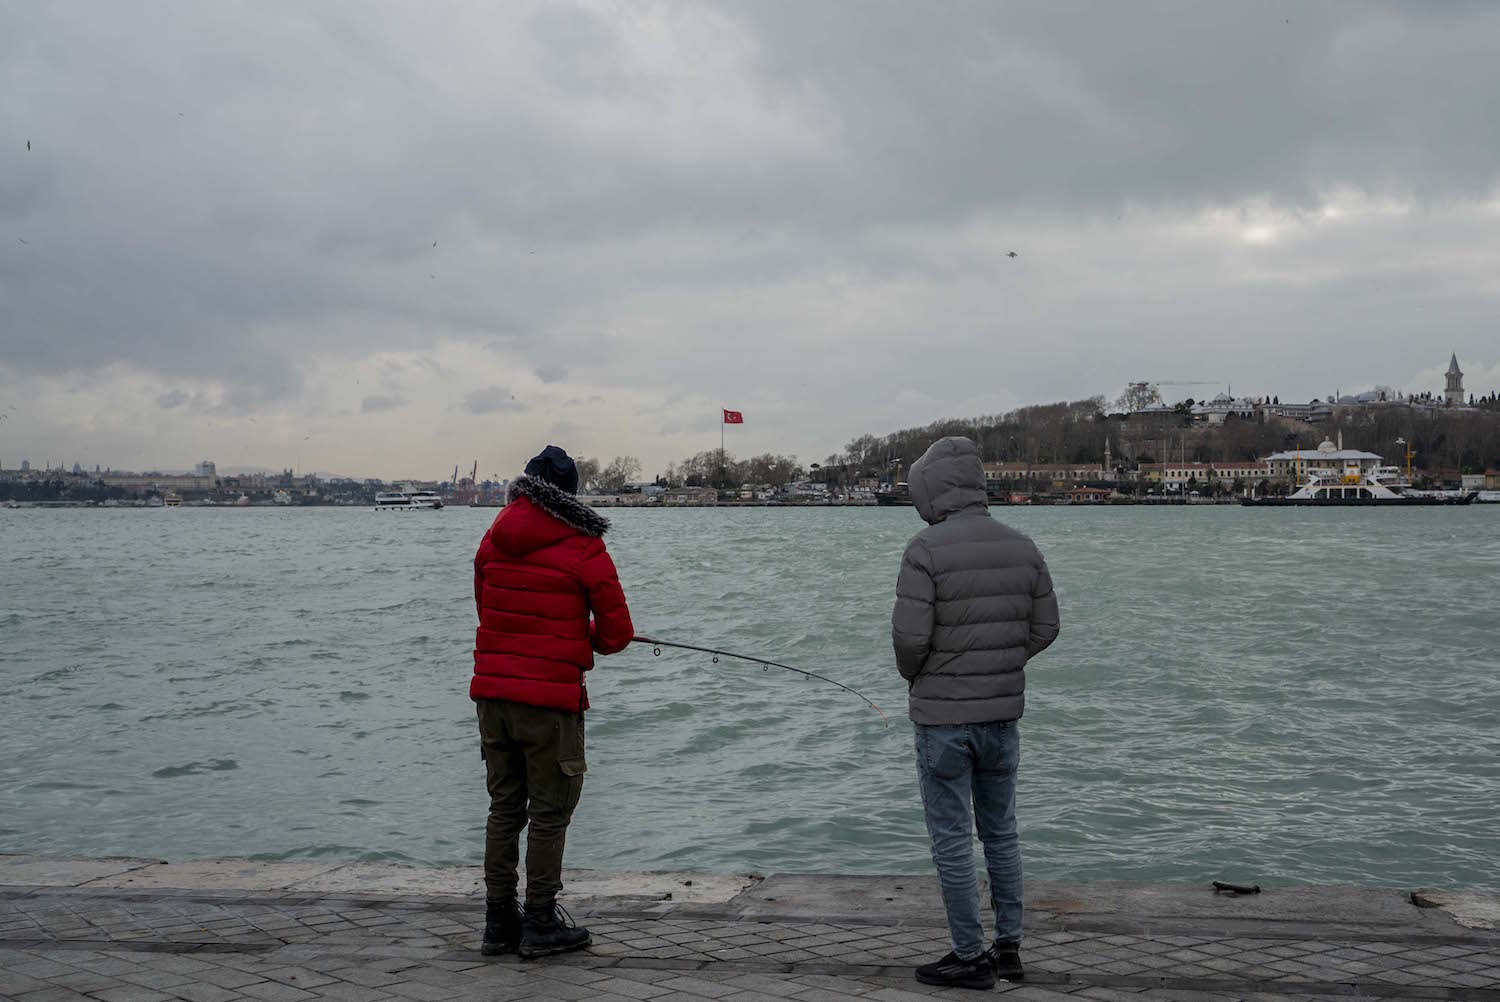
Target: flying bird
[(28, 244), (1012, 254), (28, 146), (434, 243)]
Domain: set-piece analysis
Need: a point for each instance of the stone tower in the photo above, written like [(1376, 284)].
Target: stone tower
[(1455, 392)]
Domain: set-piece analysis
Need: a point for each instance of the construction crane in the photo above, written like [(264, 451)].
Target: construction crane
[(1145, 393)]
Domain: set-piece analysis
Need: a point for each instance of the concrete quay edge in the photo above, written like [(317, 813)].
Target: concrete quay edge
[(909, 900)]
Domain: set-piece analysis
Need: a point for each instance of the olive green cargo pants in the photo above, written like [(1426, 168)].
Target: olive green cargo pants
[(534, 769)]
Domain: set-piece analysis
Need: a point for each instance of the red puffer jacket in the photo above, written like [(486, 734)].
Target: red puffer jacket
[(540, 571)]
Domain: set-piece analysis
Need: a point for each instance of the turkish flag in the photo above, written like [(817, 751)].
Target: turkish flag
[(733, 417)]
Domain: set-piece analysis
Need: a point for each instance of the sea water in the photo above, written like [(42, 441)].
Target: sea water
[(1259, 695)]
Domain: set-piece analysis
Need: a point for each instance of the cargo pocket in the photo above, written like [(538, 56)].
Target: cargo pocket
[(573, 770)]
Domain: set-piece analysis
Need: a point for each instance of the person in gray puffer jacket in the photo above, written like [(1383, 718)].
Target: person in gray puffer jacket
[(974, 603)]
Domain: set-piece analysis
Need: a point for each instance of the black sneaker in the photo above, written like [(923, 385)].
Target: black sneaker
[(549, 929), (950, 972), (502, 927), (1005, 961)]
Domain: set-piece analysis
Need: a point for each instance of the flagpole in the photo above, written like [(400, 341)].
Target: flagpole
[(722, 416)]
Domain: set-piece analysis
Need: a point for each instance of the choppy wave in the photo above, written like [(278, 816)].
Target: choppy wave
[(1278, 696)]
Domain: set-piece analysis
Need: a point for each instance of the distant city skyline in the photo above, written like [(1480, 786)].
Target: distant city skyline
[(209, 466), (469, 236)]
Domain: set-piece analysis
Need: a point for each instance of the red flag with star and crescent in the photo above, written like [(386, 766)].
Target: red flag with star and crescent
[(733, 417)]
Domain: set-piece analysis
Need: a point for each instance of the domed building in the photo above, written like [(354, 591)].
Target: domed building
[(1328, 460)]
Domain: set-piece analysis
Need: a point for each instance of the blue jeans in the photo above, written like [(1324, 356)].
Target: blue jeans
[(955, 764)]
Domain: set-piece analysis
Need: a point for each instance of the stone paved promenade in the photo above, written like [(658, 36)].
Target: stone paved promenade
[(128, 930)]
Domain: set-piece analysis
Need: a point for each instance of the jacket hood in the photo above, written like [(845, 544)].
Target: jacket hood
[(548, 515), (949, 478)]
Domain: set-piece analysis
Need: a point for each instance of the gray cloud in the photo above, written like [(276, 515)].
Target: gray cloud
[(377, 403), (490, 399), (792, 207)]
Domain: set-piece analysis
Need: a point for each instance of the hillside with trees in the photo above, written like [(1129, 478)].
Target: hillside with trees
[(1442, 440)]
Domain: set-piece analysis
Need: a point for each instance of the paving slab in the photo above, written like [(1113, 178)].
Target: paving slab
[(19, 869), (217, 875), (467, 881), (1471, 909), (394, 879), (799, 936), (1070, 903)]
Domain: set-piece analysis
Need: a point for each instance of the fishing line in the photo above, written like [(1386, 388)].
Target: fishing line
[(657, 645)]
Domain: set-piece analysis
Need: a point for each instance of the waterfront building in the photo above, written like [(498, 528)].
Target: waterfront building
[(996, 474), (1177, 475), (1327, 460), (160, 482), (1454, 394), (205, 468), (690, 496)]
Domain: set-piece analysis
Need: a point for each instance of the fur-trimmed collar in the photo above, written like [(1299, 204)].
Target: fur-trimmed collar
[(558, 503)]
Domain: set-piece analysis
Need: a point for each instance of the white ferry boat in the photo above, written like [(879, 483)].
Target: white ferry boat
[(407, 499), (1378, 488), (172, 501)]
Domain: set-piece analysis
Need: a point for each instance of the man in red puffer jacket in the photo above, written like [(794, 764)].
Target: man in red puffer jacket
[(548, 600)]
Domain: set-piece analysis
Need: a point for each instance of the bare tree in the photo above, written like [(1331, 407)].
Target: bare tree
[(588, 472), (620, 471)]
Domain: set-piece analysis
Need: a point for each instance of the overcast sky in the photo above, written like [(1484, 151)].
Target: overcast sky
[(388, 238)]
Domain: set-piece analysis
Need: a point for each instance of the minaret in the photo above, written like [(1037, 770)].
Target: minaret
[(1109, 467), (1455, 377)]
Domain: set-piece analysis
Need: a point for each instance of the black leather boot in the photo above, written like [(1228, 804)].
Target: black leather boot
[(502, 927), (549, 929)]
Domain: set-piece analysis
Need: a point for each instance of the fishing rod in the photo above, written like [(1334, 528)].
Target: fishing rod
[(657, 645)]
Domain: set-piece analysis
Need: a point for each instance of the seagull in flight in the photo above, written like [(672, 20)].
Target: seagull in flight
[(434, 243), (1012, 254), (26, 242)]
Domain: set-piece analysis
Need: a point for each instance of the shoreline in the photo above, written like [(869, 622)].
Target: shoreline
[(905, 898), (119, 929)]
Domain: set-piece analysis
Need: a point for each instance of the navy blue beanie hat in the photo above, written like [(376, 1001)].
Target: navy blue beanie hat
[(556, 467)]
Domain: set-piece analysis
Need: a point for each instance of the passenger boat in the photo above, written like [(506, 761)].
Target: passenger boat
[(1355, 489), (172, 501), (407, 499)]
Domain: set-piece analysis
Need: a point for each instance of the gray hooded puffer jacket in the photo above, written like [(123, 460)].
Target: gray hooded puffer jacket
[(974, 600)]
